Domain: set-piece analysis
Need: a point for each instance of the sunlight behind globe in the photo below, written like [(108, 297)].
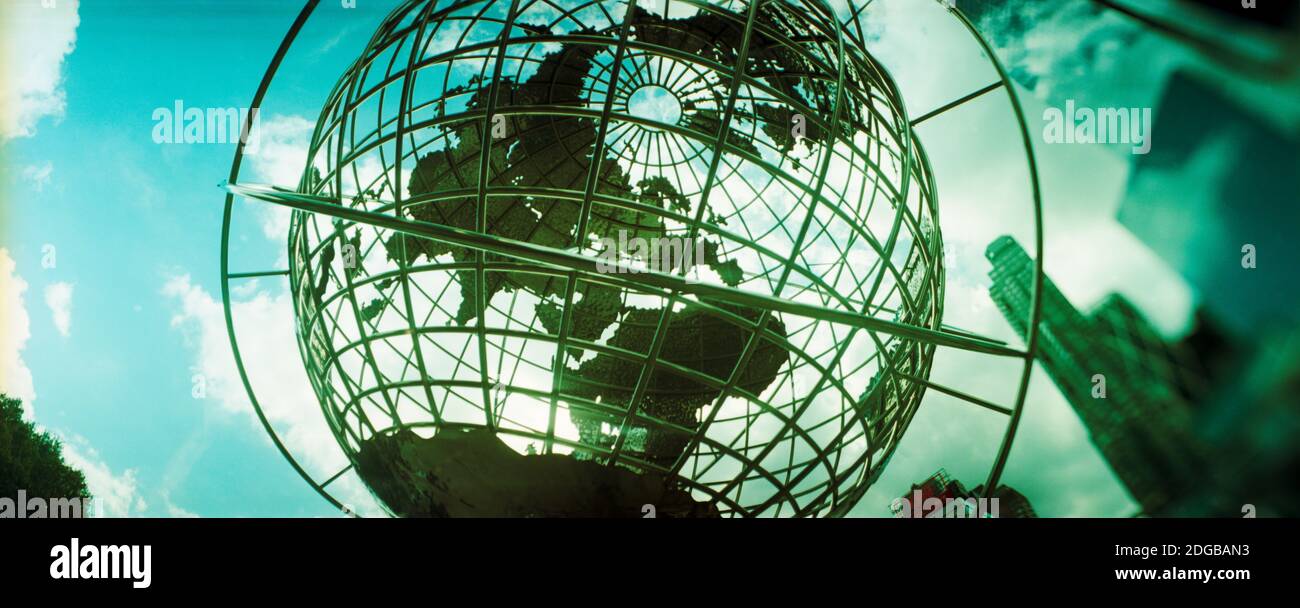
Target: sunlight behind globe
[(749, 181)]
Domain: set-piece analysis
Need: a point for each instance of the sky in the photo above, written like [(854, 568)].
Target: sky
[(110, 246)]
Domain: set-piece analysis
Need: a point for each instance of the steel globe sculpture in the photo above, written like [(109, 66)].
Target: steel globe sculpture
[(579, 258)]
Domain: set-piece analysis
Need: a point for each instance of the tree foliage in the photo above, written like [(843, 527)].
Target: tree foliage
[(32, 460)]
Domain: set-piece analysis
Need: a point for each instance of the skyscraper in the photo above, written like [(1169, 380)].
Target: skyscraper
[(1126, 384)]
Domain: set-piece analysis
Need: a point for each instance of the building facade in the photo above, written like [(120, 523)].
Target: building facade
[(1127, 385)]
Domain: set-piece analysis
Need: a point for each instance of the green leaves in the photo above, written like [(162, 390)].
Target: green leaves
[(31, 460)]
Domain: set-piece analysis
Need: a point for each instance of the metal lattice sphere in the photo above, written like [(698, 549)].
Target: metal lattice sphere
[(613, 258)]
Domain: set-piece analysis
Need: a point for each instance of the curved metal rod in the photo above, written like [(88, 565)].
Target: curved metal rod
[(1031, 339), (262, 87)]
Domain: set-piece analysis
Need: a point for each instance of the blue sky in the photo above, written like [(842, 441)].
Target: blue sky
[(125, 215), (135, 228)]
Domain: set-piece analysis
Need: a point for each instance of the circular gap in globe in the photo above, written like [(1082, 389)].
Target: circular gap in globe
[(655, 104)]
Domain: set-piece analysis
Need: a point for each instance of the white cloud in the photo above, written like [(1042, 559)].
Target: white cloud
[(280, 159), (265, 329), (39, 175), (58, 296), (1063, 49), (117, 493), (175, 511), (15, 329), (33, 44)]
